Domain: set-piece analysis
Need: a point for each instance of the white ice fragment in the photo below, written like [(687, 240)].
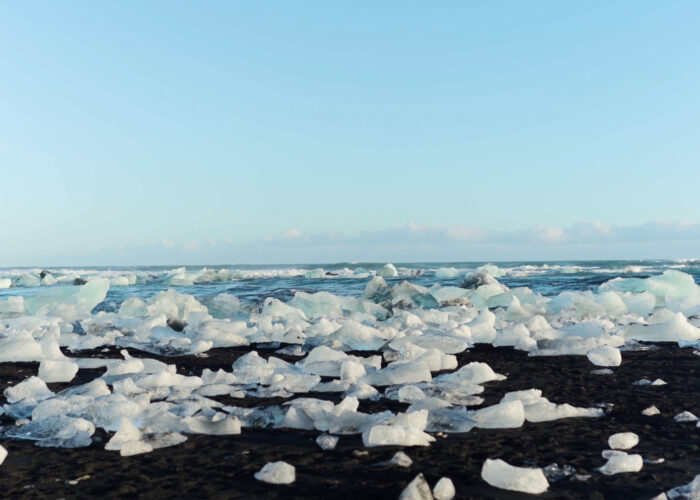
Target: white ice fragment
[(504, 415), (3, 454), (444, 489), (401, 459), (685, 416), (327, 442), (32, 388), (400, 373), (418, 489), (276, 473), (473, 373), (623, 440), (508, 477), (218, 424), (22, 349), (620, 462), (388, 271), (650, 411), (605, 355), (128, 440), (51, 370), (690, 491), (85, 297), (406, 429), (5, 282)]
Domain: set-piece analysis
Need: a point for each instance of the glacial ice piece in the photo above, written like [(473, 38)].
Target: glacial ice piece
[(605, 355), (61, 432), (444, 489), (623, 440), (446, 273), (406, 295), (650, 411), (21, 349), (218, 424), (388, 271), (508, 477), (472, 373), (540, 409), (13, 305), (5, 282), (32, 388), (224, 305), (620, 462), (327, 442), (401, 459), (276, 473), (128, 440), (377, 290), (84, 297), (405, 429), (28, 280), (690, 491), (685, 416), (505, 415), (56, 370), (400, 373), (676, 329), (418, 489), (3, 454)]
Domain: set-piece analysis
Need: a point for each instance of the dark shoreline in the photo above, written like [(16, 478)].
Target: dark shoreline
[(223, 466)]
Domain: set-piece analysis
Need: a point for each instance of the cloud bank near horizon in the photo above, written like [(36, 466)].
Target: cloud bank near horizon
[(414, 242)]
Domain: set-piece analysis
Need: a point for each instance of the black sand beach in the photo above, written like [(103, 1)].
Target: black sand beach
[(223, 466)]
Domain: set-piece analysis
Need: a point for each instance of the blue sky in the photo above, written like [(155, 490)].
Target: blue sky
[(149, 132)]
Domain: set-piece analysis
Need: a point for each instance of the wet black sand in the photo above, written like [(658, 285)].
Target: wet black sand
[(223, 466)]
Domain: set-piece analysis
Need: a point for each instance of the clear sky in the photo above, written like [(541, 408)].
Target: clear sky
[(143, 132)]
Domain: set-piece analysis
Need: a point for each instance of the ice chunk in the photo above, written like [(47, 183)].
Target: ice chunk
[(327, 442), (623, 441), (32, 388), (277, 473), (406, 295), (12, 306), (22, 349), (676, 329), (3, 454), (605, 355), (446, 272), (685, 416), (444, 489), (650, 411), (400, 373), (62, 432), (5, 282), (505, 415), (418, 489), (51, 370), (85, 297), (388, 271), (620, 462), (401, 459), (405, 429), (473, 373), (128, 440), (690, 491), (218, 424), (540, 409), (508, 477)]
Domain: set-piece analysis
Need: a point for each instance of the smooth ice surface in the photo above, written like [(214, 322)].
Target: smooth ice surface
[(3, 454), (276, 473), (685, 416), (84, 297), (623, 441), (52, 370), (508, 477)]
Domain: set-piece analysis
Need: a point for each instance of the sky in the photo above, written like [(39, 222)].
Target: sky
[(256, 132)]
